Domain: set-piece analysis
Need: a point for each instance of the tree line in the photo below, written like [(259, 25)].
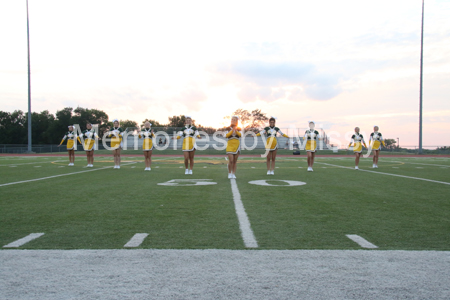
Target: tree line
[(47, 128)]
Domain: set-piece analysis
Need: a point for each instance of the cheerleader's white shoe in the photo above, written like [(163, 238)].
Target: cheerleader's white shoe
[(376, 166), (149, 168), (269, 173), (118, 167), (233, 176), (186, 172), (229, 176), (356, 168), (272, 172), (190, 172)]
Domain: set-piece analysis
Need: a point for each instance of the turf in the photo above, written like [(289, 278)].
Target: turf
[(102, 208)]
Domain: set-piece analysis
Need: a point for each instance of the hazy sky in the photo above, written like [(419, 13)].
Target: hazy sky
[(340, 63)]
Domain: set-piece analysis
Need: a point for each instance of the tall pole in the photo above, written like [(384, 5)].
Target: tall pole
[(29, 84), (421, 84)]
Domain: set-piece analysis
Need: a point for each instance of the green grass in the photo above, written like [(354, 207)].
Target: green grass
[(103, 209)]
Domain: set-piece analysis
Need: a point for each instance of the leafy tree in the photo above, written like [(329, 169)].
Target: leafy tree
[(178, 121), (13, 128), (390, 143), (93, 116), (124, 124), (250, 120), (153, 122)]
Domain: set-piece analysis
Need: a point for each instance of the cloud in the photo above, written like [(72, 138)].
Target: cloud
[(269, 81)]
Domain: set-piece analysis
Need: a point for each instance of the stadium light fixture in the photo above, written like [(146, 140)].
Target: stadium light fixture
[(421, 82), (29, 84)]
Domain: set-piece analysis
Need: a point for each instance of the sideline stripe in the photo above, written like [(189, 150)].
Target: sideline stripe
[(136, 240), (361, 241), (396, 175), (24, 240), (37, 179), (244, 223), (39, 162), (423, 164)]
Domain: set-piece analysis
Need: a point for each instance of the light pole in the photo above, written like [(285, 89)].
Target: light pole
[(421, 84), (29, 85), (398, 143)]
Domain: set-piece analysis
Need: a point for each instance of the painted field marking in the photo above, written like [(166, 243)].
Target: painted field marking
[(425, 164), (396, 175), (244, 223), (136, 240), (188, 182), (133, 167), (13, 166), (204, 167), (39, 162), (265, 182), (277, 167), (419, 167), (157, 167), (252, 167), (361, 241), (43, 178), (23, 241), (394, 167)]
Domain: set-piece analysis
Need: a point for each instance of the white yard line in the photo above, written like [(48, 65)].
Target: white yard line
[(55, 176), (396, 175), (244, 223), (23, 241), (421, 164), (361, 241), (40, 162), (136, 240)]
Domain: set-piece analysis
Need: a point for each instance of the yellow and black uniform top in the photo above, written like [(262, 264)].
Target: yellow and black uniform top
[(358, 141), (70, 136), (233, 135), (189, 133), (116, 133), (148, 136), (89, 137), (376, 139), (311, 136), (271, 133)]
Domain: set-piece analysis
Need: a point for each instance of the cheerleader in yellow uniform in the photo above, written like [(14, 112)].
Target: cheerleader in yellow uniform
[(271, 144), (358, 141), (376, 139), (116, 142), (89, 136), (148, 136), (189, 133), (233, 146), (311, 136), (71, 136)]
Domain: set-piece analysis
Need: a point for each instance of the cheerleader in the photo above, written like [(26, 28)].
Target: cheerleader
[(189, 133), (148, 135), (233, 146), (116, 142), (376, 139), (89, 136), (70, 136), (311, 136), (271, 144), (357, 139)]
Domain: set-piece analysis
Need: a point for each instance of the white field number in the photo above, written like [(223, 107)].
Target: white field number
[(274, 182), (188, 182)]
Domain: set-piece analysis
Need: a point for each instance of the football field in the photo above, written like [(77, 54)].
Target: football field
[(402, 205), (335, 233)]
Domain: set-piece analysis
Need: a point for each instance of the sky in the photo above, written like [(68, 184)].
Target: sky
[(339, 63)]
